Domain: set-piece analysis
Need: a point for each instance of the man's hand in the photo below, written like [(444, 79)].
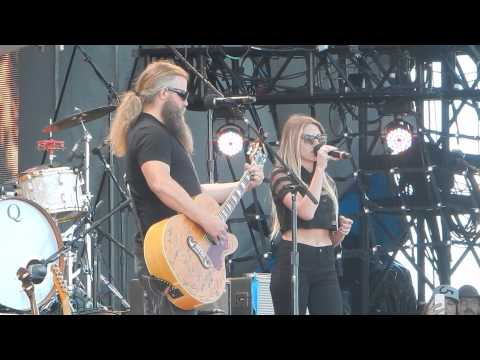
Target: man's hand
[(256, 175), (214, 227), (435, 309)]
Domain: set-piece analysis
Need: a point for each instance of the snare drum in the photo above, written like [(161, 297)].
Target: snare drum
[(28, 232), (58, 190)]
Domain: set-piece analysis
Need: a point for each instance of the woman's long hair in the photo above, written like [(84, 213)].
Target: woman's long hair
[(290, 153), (154, 78)]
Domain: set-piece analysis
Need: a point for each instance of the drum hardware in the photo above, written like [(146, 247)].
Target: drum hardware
[(87, 138), (93, 229), (51, 188), (37, 269), (80, 119), (50, 146), (98, 234), (47, 190)]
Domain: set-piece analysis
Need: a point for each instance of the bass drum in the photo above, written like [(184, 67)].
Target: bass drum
[(28, 232)]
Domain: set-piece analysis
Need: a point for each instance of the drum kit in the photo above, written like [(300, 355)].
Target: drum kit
[(47, 197)]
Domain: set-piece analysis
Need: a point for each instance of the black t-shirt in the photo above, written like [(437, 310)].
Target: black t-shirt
[(325, 216), (148, 139)]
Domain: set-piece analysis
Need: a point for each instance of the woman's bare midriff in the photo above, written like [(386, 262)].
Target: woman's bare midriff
[(311, 237)]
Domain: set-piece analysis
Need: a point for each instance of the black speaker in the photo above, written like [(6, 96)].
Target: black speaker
[(241, 296), (250, 294)]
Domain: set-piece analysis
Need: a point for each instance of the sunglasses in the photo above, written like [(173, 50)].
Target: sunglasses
[(182, 93), (310, 139)]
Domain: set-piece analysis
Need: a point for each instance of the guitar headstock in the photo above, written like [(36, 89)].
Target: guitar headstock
[(256, 153)]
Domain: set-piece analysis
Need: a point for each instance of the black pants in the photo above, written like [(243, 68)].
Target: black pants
[(155, 301), (318, 286)]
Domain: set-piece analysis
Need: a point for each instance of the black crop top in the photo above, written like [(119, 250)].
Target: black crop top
[(325, 216)]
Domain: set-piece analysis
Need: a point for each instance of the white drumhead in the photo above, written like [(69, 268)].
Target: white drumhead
[(26, 234)]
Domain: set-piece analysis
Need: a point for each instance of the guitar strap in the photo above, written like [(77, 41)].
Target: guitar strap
[(159, 286)]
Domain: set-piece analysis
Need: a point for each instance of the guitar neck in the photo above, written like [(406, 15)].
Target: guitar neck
[(61, 290), (234, 198), (66, 307)]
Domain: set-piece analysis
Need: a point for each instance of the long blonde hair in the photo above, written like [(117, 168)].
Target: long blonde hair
[(154, 78), (289, 151)]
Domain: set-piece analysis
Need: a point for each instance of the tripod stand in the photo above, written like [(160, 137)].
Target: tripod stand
[(91, 232), (127, 201)]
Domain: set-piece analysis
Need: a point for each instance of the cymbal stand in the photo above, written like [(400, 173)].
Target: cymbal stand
[(50, 146), (87, 138), (70, 258)]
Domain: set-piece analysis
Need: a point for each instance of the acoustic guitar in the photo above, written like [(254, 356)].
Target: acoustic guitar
[(179, 252)]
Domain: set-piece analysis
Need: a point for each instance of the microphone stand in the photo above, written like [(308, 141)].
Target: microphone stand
[(113, 94), (38, 268), (112, 98), (94, 229), (296, 186), (127, 201)]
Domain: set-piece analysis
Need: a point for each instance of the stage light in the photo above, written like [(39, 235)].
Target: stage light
[(398, 136), (230, 139)]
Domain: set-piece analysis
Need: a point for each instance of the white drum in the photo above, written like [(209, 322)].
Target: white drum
[(28, 233), (58, 190)]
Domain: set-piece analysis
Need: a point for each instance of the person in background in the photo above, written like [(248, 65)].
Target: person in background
[(469, 303), (451, 301)]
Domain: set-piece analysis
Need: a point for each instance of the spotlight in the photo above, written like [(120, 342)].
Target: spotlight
[(230, 139), (398, 136)]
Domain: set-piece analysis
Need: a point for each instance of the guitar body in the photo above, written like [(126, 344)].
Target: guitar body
[(177, 250)]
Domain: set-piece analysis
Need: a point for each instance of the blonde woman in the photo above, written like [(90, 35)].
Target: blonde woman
[(320, 228)]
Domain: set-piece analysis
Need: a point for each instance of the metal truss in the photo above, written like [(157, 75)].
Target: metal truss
[(431, 191)]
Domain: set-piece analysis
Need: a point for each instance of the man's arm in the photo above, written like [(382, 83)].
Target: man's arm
[(157, 175), (220, 192)]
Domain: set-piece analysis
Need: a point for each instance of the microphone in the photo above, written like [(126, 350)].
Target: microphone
[(213, 101), (342, 155), (73, 153), (38, 270)]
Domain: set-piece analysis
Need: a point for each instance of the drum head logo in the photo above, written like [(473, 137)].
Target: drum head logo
[(13, 212)]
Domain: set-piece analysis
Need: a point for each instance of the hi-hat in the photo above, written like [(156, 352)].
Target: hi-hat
[(77, 119)]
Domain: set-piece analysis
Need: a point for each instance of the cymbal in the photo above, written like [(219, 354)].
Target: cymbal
[(77, 119)]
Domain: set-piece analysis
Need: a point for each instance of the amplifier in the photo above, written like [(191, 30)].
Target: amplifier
[(250, 295)]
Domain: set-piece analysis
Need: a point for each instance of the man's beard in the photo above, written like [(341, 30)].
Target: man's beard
[(174, 120)]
